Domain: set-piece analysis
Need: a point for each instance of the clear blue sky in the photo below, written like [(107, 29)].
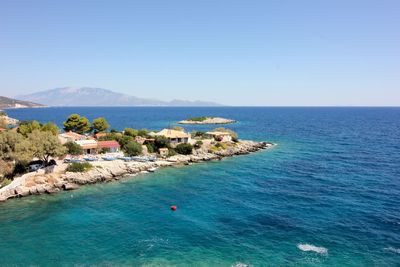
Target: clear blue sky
[(338, 52)]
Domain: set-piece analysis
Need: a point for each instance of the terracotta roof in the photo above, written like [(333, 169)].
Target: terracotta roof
[(108, 144), (169, 133), (72, 135), (98, 135)]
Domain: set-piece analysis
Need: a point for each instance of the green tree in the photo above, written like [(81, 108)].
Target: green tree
[(100, 125), (50, 127), (133, 149), (73, 148), (184, 149), (13, 146), (131, 132), (45, 145), (26, 127), (78, 124)]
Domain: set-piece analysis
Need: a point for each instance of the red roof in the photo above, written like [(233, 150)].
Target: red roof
[(108, 144)]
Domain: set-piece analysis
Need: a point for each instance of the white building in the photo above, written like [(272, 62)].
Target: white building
[(174, 136)]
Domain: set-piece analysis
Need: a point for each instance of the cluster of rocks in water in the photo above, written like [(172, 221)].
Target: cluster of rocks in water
[(54, 179)]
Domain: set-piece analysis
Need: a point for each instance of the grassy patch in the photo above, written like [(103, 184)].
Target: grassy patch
[(199, 118), (79, 167), (5, 182)]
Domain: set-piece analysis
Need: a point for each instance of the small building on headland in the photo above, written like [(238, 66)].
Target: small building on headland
[(88, 146), (220, 136), (163, 152), (111, 146), (174, 136)]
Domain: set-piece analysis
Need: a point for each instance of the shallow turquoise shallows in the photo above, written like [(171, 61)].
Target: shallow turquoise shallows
[(327, 195)]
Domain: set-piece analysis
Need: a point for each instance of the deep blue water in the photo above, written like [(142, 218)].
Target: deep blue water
[(333, 181)]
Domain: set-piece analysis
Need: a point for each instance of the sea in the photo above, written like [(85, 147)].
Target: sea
[(327, 195)]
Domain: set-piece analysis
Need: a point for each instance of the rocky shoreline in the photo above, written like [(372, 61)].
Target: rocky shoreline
[(54, 179)]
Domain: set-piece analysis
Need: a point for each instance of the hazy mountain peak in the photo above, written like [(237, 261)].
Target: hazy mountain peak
[(90, 96)]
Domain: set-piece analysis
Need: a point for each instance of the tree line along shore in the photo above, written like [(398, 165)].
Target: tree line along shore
[(40, 158)]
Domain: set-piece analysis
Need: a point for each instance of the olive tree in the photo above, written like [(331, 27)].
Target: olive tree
[(13, 146), (45, 145)]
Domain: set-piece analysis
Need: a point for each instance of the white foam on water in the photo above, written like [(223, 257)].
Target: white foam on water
[(240, 264), (308, 247), (394, 250)]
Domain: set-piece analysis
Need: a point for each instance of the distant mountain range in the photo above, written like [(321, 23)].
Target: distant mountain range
[(88, 96), (6, 102)]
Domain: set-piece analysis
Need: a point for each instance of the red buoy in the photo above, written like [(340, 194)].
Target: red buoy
[(173, 208)]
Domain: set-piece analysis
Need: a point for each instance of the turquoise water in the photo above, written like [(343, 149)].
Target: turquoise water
[(332, 182)]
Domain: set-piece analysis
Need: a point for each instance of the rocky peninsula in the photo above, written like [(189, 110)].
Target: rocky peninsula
[(55, 178), (207, 120)]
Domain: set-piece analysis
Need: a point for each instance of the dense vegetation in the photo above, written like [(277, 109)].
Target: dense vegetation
[(34, 140), (17, 150)]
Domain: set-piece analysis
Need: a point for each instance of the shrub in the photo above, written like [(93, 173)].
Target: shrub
[(104, 150), (110, 136), (198, 144), (220, 145), (151, 148), (131, 132), (133, 148), (184, 149), (171, 152), (5, 182), (143, 133), (198, 134), (79, 167), (124, 140), (73, 148), (161, 142)]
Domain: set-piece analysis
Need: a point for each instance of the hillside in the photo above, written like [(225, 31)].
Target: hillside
[(88, 96), (6, 102)]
